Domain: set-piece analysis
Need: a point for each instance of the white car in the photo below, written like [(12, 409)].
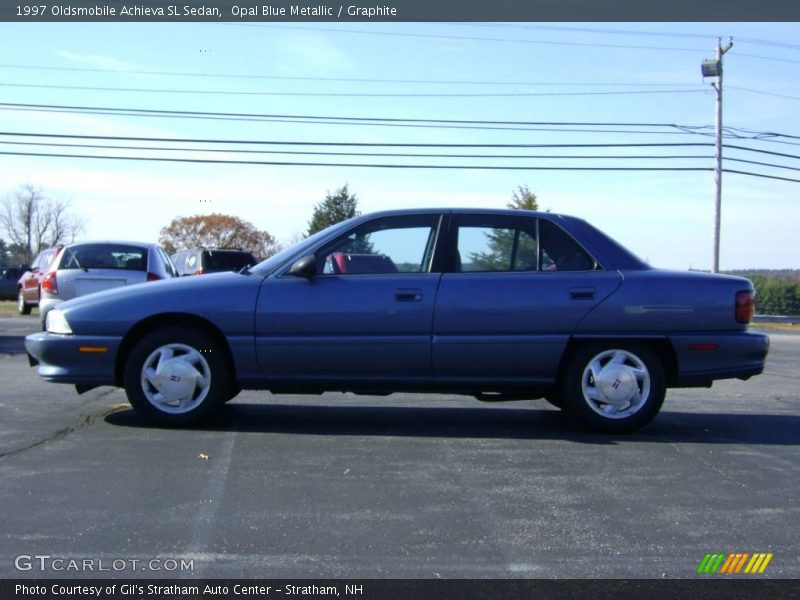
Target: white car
[(90, 267)]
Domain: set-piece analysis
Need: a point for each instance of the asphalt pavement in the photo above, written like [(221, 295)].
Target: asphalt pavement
[(400, 486)]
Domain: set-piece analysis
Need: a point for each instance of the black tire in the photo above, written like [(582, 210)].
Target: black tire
[(632, 376), (205, 389), (555, 399), (23, 307), (233, 392)]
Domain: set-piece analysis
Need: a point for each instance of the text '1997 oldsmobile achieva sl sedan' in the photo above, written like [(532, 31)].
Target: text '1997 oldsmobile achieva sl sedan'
[(502, 305)]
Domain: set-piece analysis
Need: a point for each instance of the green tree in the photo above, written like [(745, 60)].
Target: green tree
[(776, 296), (523, 199), (333, 209), (501, 241), (4, 253)]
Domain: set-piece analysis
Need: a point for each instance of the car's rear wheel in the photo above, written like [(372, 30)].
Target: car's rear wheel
[(23, 307), (176, 376), (614, 387)]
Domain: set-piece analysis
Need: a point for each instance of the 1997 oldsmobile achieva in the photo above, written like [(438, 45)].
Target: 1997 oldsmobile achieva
[(502, 305)]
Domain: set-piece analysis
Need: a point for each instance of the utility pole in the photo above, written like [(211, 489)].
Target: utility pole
[(713, 68)]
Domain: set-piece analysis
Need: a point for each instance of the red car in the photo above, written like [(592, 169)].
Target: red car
[(29, 286)]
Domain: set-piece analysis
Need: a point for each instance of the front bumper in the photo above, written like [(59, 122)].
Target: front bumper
[(83, 360), (702, 358)]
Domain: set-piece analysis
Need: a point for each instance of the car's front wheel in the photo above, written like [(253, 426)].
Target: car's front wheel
[(23, 307), (613, 387), (176, 376)]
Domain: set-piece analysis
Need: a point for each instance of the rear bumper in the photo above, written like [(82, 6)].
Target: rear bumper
[(703, 358), (89, 360)]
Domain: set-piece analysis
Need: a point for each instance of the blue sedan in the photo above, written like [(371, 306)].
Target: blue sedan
[(501, 305)]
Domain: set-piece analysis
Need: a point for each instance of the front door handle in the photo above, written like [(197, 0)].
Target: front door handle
[(582, 293), (408, 295)]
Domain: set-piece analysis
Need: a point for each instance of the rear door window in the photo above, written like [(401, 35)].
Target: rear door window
[(504, 243)]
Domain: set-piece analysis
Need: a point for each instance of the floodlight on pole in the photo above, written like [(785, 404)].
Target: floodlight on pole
[(713, 68)]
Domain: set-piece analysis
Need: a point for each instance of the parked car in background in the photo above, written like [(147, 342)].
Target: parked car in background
[(199, 261), (502, 305), (9, 278), (90, 267), (29, 286)]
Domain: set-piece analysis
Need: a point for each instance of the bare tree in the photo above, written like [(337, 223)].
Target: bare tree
[(32, 221)]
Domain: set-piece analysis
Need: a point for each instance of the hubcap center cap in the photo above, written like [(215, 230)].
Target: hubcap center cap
[(617, 384), (176, 379)]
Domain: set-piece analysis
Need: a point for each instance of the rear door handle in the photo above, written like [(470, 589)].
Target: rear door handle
[(408, 295), (582, 293)]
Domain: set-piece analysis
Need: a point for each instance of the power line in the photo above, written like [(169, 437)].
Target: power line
[(384, 33), (343, 94), (358, 144), (384, 121), (369, 154), (768, 43), (351, 123), (763, 93), (358, 165), (397, 155), (332, 118), (763, 164), (388, 166), (596, 30), (762, 175), (335, 79), (760, 151), (761, 57), (384, 144), (770, 133), (634, 32)]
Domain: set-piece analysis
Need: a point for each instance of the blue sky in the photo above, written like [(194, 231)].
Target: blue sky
[(498, 72)]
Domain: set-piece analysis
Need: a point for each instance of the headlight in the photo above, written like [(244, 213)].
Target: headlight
[(56, 322)]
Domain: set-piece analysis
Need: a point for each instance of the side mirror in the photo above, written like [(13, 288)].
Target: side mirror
[(304, 267)]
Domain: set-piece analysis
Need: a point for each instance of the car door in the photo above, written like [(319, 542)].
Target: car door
[(367, 314), (516, 288)]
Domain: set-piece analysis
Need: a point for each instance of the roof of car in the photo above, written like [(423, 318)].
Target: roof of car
[(464, 210), (117, 242)]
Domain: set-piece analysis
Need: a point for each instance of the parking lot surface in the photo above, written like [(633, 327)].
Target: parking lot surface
[(399, 486)]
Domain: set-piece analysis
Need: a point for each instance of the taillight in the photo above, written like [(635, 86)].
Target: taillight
[(49, 283), (745, 305), (198, 272), (153, 277)]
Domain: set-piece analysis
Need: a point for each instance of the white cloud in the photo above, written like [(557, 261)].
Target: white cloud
[(311, 53), (99, 61)]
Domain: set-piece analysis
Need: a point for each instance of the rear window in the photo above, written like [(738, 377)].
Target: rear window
[(105, 256), (227, 261)]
